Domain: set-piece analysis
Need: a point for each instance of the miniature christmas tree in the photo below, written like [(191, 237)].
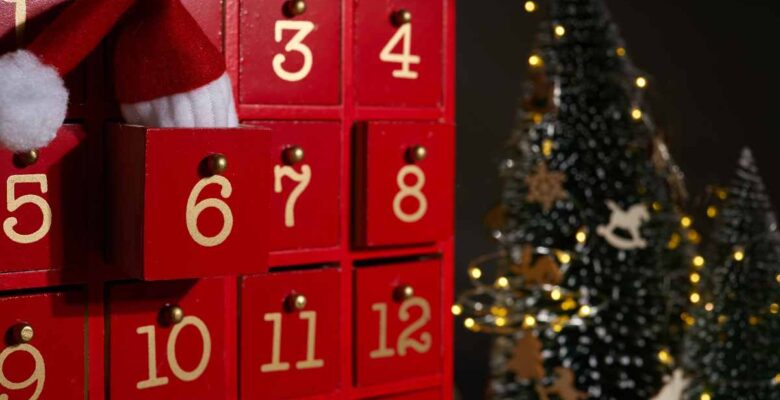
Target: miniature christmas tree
[(585, 188), (733, 344)]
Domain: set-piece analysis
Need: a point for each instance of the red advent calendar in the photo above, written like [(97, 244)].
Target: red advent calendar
[(306, 254)]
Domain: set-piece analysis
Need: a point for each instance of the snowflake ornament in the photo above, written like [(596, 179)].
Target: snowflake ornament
[(545, 187)]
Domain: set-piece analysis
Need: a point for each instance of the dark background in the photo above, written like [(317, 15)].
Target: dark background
[(714, 73)]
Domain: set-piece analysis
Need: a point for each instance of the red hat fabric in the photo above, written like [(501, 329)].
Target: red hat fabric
[(167, 71), (156, 30)]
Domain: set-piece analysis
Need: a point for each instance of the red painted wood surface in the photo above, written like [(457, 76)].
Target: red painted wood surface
[(338, 103), (305, 206), (289, 352), (403, 201), (399, 64), (189, 357), (176, 221), (287, 59), (53, 362), (421, 395), (43, 207), (398, 338)]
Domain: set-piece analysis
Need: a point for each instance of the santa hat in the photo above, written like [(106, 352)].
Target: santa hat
[(167, 72)]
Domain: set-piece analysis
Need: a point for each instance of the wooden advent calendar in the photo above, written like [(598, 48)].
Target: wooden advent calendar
[(317, 264)]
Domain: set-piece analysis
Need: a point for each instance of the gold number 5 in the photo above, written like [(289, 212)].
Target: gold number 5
[(20, 18)]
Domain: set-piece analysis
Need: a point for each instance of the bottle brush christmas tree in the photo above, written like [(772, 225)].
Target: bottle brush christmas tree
[(733, 346), (581, 296)]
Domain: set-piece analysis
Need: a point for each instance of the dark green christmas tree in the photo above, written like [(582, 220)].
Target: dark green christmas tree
[(733, 346), (585, 185)]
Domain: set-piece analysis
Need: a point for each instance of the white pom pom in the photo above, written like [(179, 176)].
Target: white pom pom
[(33, 102)]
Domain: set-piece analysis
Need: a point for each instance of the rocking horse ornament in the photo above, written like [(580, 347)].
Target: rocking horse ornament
[(629, 221)]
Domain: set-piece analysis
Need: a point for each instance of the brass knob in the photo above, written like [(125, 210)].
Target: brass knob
[(402, 17), (403, 292), (296, 302), (416, 154), (293, 155), (171, 314), (294, 8), (216, 164), (26, 158), (22, 333)]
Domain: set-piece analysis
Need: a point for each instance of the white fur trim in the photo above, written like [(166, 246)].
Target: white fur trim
[(33, 102), (209, 106)]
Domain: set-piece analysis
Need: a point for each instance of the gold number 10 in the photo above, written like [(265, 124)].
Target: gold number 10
[(20, 18)]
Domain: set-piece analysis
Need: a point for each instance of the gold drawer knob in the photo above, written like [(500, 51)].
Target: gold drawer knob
[(293, 155), (294, 8), (26, 158), (22, 333), (403, 292), (416, 154), (171, 315), (402, 17), (216, 164), (296, 302)]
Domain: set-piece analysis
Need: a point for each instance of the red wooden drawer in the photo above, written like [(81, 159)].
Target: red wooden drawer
[(209, 14), (152, 357), (52, 364), (287, 59), (305, 206), (398, 337), (173, 220), (399, 64), (286, 351), (401, 200), (434, 394), (32, 16), (43, 206)]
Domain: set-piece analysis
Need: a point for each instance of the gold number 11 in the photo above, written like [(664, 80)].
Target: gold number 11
[(20, 18)]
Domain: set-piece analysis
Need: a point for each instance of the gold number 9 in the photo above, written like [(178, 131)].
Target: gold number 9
[(37, 377)]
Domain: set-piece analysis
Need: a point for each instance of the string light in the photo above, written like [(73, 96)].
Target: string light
[(694, 236), (722, 194), (529, 321), (657, 206), (636, 114), (500, 322), (547, 147), (530, 6), (722, 319), (695, 297), (585, 311), (535, 61), (774, 308), (563, 257), (705, 396), (688, 319), (475, 272), (695, 277), (739, 254), (698, 261), (686, 221), (776, 380), (560, 31), (457, 309), (777, 278), (709, 307), (674, 241), (712, 211), (641, 82), (555, 294), (499, 311), (469, 323), (753, 320), (581, 236), (569, 304), (620, 51), (665, 357), (502, 282)]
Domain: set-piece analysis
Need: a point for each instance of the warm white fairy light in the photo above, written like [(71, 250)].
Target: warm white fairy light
[(530, 6)]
